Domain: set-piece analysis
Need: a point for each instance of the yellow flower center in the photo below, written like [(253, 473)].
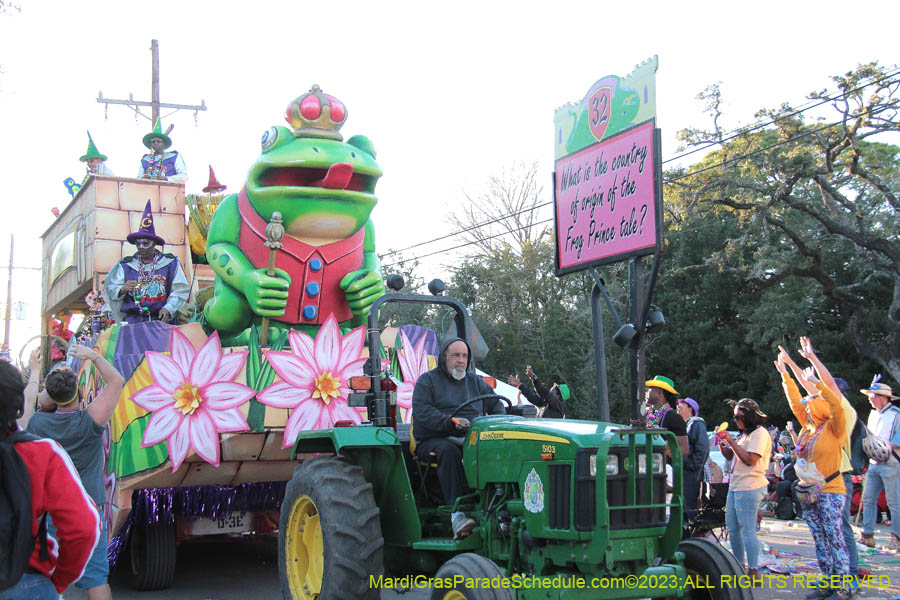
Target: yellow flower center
[(327, 387), (187, 398)]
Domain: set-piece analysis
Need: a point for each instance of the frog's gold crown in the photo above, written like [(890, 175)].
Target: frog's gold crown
[(316, 114)]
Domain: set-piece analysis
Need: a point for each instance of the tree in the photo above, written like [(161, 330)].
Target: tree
[(809, 204)]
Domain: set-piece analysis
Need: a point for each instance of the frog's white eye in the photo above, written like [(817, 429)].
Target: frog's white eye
[(269, 138)]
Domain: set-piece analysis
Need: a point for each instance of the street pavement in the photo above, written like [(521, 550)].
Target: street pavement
[(241, 570)]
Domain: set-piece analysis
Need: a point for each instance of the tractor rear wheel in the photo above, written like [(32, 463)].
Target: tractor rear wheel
[(470, 566), (707, 562), (329, 539)]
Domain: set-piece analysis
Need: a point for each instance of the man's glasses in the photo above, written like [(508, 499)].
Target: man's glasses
[(144, 243)]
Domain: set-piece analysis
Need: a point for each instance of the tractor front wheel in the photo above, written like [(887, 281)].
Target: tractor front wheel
[(329, 539), (707, 562), (470, 566)]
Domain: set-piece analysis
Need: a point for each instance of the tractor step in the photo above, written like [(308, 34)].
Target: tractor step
[(472, 542)]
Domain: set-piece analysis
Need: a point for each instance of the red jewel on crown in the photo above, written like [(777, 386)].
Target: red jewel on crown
[(316, 114)]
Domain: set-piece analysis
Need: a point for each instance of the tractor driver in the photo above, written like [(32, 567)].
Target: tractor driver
[(437, 394)]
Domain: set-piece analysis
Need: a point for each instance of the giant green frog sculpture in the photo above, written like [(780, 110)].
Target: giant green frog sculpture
[(324, 190)]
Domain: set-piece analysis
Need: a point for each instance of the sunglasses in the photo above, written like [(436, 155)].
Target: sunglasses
[(144, 243)]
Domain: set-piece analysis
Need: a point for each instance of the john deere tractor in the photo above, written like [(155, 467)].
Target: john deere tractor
[(565, 509)]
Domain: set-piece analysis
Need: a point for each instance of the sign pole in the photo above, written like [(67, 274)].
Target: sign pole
[(636, 354), (600, 354)]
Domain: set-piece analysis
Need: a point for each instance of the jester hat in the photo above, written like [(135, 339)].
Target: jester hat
[(157, 132), (147, 231)]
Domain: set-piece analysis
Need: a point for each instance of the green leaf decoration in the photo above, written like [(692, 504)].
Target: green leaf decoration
[(126, 457), (260, 375)]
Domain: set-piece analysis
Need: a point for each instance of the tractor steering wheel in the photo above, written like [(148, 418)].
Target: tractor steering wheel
[(483, 405)]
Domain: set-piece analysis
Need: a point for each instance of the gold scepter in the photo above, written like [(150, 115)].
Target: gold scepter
[(274, 235)]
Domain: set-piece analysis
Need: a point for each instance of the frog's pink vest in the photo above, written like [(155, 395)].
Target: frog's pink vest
[(316, 271)]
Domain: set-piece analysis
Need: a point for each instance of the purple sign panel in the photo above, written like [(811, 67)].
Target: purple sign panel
[(605, 201)]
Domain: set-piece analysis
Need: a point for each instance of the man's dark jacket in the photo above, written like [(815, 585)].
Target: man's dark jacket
[(437, 395), (698, 444)]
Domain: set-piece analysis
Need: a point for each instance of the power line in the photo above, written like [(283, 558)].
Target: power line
[(738, 132), (474, 242), (467, 229)]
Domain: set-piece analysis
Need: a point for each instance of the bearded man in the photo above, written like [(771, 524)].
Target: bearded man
[(438, 432)]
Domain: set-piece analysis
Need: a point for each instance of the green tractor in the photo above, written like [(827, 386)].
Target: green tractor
[(565, 509)]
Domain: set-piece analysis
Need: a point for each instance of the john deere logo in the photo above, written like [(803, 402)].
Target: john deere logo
[(472, 439)]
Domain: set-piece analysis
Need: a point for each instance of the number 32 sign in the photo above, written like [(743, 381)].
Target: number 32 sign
[(598, 106)]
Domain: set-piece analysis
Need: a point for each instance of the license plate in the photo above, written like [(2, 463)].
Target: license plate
[(231, 523)]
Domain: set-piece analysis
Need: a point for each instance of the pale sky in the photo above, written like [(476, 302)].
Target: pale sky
[(449, 93)]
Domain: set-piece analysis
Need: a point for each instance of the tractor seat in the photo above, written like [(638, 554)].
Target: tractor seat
[(430, 462)]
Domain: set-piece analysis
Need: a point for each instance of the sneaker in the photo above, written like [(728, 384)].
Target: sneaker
[(867, 539), (819, 594), (840, 595), (462, 525)]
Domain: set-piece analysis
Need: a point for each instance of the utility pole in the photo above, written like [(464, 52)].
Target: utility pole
[(154, 104)]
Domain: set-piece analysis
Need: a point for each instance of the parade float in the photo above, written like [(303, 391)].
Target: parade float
[(201, 440)]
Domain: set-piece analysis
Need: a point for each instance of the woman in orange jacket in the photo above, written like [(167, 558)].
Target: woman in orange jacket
[(819, 457)]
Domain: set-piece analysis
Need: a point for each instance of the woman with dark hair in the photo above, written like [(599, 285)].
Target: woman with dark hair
[(752, 450)]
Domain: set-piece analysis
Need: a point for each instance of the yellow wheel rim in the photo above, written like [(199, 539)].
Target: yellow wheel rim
[(454, 595), (303, 550)]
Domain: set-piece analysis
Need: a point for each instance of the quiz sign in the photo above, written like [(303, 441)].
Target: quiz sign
[(605, 201), (606, 190)]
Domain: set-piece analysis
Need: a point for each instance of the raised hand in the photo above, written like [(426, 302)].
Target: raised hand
[(780, 365), (806, 348), (786, 356), (83, 353)]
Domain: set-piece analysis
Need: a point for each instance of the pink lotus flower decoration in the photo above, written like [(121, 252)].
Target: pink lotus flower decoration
[(194, 398), (413, 362), (315, 378)]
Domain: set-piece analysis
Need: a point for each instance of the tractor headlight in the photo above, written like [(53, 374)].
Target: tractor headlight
[(659, 463), (612, 464)]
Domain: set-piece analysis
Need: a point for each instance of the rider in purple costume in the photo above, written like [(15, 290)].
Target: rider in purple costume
[(149, 285)]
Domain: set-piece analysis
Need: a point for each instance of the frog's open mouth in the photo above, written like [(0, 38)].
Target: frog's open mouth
[(339, 176)]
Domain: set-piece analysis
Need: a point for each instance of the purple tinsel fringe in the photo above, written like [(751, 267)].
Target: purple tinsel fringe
[(204, 501)]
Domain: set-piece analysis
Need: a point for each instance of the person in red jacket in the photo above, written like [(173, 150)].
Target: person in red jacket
[(56, 489)]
